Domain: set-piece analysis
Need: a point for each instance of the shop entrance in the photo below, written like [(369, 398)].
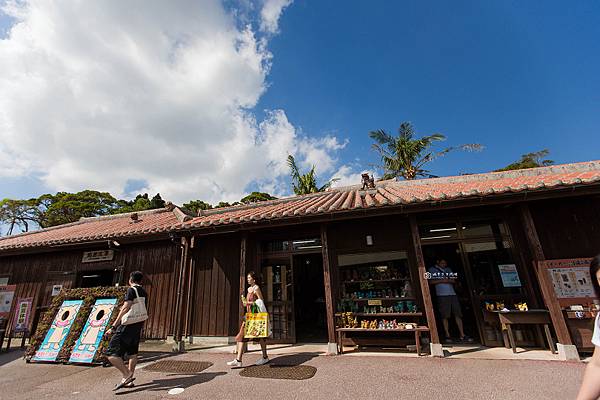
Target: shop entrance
[(309, 293), (452, 254), (97, 278)]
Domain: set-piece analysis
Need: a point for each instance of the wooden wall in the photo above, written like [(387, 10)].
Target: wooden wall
[(215, 296), (568, 228), (35, 274)]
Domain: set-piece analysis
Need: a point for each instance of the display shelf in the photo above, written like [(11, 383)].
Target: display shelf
[(383, 298), (378, 280), (407, 314)]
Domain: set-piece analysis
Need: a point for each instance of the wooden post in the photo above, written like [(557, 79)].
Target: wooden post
[(546, 286), (190, 290), (179, 302), (243, 262), (332, 345), (427, 303)]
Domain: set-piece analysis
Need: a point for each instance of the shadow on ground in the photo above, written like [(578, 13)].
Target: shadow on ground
[(292, 360), (177, 381), (11, 356)]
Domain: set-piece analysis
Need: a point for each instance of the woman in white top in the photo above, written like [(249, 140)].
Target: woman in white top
[(590, 387)]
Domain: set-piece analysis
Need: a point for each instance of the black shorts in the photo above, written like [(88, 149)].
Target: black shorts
[(124, 341), (449, 305)]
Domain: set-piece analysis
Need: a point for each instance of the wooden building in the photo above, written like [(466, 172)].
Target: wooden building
[(346, 249)]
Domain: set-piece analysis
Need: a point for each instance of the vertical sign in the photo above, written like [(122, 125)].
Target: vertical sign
[(22, 315)]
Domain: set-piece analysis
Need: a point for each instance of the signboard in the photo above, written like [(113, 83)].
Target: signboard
[(374, 302), (509, 275), (571, 278), (97, 255), (22, 315), (7, 293), (58, 331), (56, 290), (89, 340)]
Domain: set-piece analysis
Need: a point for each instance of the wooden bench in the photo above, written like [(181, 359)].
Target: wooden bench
[(341, 333)]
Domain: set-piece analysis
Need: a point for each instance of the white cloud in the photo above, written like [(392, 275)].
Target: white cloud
[(270, 13), (96, 94)]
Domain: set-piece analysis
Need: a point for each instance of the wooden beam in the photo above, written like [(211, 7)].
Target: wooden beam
[(243, 262), (537, 252), (427, 302), (328, 286)]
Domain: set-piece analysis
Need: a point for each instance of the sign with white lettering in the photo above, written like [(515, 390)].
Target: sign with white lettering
[(98, 255)]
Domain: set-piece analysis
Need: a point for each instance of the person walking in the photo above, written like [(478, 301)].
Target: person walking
[(590, 386), (254, 297), (125, 339), (447, 300)]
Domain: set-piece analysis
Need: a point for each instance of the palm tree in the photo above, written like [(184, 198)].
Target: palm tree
[(305, 183), (406, 155)]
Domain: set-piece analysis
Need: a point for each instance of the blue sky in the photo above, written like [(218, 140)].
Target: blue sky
[(514, 76)]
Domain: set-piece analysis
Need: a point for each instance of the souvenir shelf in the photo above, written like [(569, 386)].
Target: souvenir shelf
[(376, 295)]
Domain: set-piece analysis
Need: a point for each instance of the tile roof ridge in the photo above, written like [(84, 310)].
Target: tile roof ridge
[(50, 228), (258, 204), (517, 173), (123, 215)]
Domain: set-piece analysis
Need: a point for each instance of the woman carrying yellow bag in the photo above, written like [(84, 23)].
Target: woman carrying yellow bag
[(254, 300)]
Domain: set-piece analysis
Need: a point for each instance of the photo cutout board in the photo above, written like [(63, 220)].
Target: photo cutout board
[(87, 345), (58, 331)]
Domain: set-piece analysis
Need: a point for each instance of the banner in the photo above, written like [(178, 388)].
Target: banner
[(256, 325), (7, 293), (58, 331), (93, 331), (22, 315)]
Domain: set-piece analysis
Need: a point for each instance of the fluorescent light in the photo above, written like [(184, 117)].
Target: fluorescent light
[(442, 230), (436, 237), (309, 247), (304, 241), (91, 276)]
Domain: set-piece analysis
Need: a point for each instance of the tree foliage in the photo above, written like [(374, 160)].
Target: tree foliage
[(255, 197), (406, 156), (306, 183), (196, 205), (530, 160)]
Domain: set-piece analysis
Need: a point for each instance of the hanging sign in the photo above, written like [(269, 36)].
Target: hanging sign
[(509, 275), (97, 255), (7, 293), (93, 331), (58, 331), (22, 314)]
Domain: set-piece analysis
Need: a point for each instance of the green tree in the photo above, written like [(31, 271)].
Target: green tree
[(255, 197), (18, 213), (530, 160), (406, 156), (64, 207), (306, 183), (196, 205), (157, 202)]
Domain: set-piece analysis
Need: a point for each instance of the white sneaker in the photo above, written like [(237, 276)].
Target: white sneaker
[(235, 363), (262, 361)]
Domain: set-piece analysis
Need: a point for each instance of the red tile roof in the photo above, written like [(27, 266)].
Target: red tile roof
[(386, 194), (96, 228), (392, 192)]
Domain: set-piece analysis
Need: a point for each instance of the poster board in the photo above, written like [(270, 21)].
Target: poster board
[(22, 315), (7, 293), (571, 280), (58, 332), (509, 275), (87, 344)]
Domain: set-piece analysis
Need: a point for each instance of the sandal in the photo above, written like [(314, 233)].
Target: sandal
[(124, 383)]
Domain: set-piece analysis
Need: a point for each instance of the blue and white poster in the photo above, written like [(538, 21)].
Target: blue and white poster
[(58, 332), (93, 331)]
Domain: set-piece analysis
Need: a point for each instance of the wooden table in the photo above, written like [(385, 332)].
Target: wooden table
[(530, 317), (342, 335)]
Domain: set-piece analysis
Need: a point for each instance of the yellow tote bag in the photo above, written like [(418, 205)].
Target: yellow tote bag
[(257, 325)]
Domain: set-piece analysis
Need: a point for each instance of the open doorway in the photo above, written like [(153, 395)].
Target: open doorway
[(309, 298), (97, 278), (451, 253)]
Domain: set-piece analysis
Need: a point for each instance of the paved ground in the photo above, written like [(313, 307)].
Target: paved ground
[(341, 377)]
